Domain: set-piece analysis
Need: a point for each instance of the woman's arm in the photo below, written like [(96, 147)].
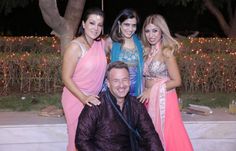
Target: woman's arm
[(70, 59), (173, 70), (108, 45)]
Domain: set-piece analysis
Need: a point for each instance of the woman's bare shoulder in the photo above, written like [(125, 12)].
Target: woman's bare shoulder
[(74, 48), (108, 44)]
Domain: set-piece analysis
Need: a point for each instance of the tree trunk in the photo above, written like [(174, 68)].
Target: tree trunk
[(229, 29), (63, 27), (232, 33)]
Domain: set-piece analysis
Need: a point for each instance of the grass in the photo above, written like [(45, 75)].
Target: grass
[(37, 101), (29, 102), (212, 100)]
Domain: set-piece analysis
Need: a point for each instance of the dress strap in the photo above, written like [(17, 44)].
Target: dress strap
[(82, 47)]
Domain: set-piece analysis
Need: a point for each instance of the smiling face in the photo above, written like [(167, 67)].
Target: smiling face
[(93, 26), (128, 27), (153, 34), (118, 83)]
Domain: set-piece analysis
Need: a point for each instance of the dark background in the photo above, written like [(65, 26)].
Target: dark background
[(183, 20)]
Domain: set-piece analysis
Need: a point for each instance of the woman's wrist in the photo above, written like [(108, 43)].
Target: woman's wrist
[(83, 98)]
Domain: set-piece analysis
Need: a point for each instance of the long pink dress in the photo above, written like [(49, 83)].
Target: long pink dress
[(88, 76), (163, 109)]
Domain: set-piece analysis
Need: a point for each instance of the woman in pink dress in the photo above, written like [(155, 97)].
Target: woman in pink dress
[(83, 71), (162, 76)]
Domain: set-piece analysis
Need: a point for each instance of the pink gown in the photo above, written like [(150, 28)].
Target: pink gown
[(88, 76), (163, 109)]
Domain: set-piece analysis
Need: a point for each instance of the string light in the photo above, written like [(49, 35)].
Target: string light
[(208, 59), (201, 60)]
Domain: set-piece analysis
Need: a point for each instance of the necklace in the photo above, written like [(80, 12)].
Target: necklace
[(153, 52)]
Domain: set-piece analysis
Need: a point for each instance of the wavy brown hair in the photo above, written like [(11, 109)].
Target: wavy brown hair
[(166, 38)]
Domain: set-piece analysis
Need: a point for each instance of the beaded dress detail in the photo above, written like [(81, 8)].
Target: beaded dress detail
[(163, 107), (154, 69), (131, 57)]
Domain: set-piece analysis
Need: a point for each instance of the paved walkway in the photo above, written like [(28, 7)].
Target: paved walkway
[(219, 114), (27, 131), (28, 118)]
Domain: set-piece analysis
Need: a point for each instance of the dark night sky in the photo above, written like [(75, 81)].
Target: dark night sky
[(28, 20)]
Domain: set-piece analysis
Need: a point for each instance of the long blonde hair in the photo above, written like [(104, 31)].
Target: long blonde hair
[(166, 38)]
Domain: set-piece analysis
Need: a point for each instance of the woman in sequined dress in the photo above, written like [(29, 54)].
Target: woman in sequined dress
[(162, 76), (124, 45)]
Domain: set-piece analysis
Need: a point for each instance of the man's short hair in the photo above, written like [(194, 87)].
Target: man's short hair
[(116, 65)]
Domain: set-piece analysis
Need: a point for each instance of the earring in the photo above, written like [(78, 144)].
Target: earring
[(119, 27)]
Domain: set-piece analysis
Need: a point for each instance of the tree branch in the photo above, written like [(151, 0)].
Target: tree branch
[(52, 17), (72, 16), (193, 35), (63, 27), (224, 25)]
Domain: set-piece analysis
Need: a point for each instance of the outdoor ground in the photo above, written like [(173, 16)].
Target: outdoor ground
[(219, 114), (32, 117), (27, 131)]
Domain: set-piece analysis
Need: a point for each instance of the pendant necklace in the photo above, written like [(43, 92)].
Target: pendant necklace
[(154, 51)]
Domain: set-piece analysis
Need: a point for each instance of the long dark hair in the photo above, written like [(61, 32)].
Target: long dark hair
[(122, 16), (91, 11)]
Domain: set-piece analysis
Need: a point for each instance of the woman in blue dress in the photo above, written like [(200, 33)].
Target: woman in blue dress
[(124, 45)]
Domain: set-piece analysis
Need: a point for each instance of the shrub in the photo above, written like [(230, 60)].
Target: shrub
[(33, 64)]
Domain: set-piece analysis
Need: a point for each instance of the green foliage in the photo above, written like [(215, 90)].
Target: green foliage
[(206, 65), (30, 78), (29, 102), (209, 99), (207, 45), (29, 44), (38, 101), (30, 72)]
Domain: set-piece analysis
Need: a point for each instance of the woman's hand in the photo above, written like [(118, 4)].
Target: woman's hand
[(144, 97), (91, 100)]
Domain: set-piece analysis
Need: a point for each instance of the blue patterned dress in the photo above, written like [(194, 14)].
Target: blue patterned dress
[(134, 59), (130, 57)]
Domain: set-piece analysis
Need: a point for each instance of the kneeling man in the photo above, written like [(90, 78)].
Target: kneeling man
[(120, 122)]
